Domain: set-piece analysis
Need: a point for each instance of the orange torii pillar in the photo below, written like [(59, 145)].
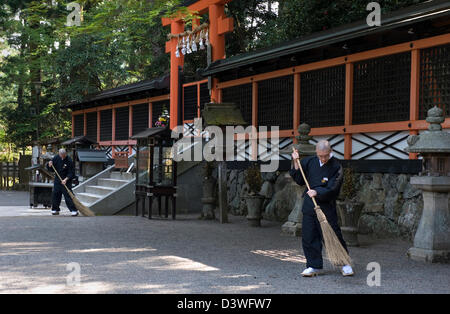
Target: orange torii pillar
[(219, 26), (176, 27)]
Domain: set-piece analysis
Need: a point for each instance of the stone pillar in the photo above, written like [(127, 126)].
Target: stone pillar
[(294, 224), (432, 239)]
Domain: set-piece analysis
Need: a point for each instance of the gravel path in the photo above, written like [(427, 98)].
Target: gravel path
[(123, 254)]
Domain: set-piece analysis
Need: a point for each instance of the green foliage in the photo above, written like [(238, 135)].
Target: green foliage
[(253, 179), (118, 42), (348, 191), (259, 26)]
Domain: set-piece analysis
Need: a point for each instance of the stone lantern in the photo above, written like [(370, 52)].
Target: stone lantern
[(432, 239), (294, 224), (222, 115)]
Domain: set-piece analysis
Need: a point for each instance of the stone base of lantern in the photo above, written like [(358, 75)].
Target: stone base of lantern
[(292, 228), (430, 256)]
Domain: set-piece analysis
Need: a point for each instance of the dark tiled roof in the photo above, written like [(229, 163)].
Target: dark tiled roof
[(407, 16), (130, 89), (151, 132), (79, 140)]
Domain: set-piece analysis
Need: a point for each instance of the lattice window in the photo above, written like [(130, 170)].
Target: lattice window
[(381, 145), (434, 79), (322, 97), (275, 102), (241, 95), (157, 109), (140, 118), (91, 125), (106, 125), (190, 98), (204, 95), (122, 123), (78, 127), (381, 90)]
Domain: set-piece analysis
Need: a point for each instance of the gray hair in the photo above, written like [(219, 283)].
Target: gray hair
[(323, 145), (62, 151)]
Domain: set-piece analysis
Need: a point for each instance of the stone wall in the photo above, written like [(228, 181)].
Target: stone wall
[(393, 207)]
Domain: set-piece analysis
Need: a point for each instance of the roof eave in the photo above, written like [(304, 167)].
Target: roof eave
[(331, 36)]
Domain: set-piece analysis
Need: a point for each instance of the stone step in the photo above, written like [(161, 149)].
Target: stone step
[(122, 176), (112, 183), (87, 198), (99, 190)]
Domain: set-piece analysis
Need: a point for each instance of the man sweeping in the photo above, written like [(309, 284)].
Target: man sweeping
[(325, 175), (64, 166)]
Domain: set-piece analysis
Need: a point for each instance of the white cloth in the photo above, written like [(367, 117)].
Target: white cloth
[(321, 164)]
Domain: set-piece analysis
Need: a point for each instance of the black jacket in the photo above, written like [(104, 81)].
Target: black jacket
[(64, 167), (326, 180)]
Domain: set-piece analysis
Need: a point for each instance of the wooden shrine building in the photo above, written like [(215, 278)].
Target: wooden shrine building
[(365, 89)]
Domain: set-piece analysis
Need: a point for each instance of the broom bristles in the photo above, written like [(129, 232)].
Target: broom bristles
[(80, 206), (336, 253)]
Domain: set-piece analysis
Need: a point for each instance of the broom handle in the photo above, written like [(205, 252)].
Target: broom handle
[(304, 177), (60, 178)]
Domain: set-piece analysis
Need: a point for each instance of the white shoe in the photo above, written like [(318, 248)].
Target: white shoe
[(347, 270), (310, 272), (74, 213), (55, 212)]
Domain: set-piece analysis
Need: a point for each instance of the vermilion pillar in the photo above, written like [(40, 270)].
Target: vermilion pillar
[(219, 26), (176, 27)]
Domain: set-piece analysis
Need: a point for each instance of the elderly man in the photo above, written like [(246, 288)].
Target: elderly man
[(64, 165), (324, 174)]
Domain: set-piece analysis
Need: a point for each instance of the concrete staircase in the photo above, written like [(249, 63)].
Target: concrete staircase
[(108, 192)]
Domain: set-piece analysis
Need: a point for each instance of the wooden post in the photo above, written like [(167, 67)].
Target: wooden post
[(84, 124), (14, 175), (198, 101), (254, 144), (1, 175), (73, 125), (414, 94), (348, 110), (296, 118), (223, 201), (130, 121), (150, 115), (98, 126), (7, 175), (113, 135)]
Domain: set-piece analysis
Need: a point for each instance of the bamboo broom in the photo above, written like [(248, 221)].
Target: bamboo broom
[(336, 253), (80, 206)]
